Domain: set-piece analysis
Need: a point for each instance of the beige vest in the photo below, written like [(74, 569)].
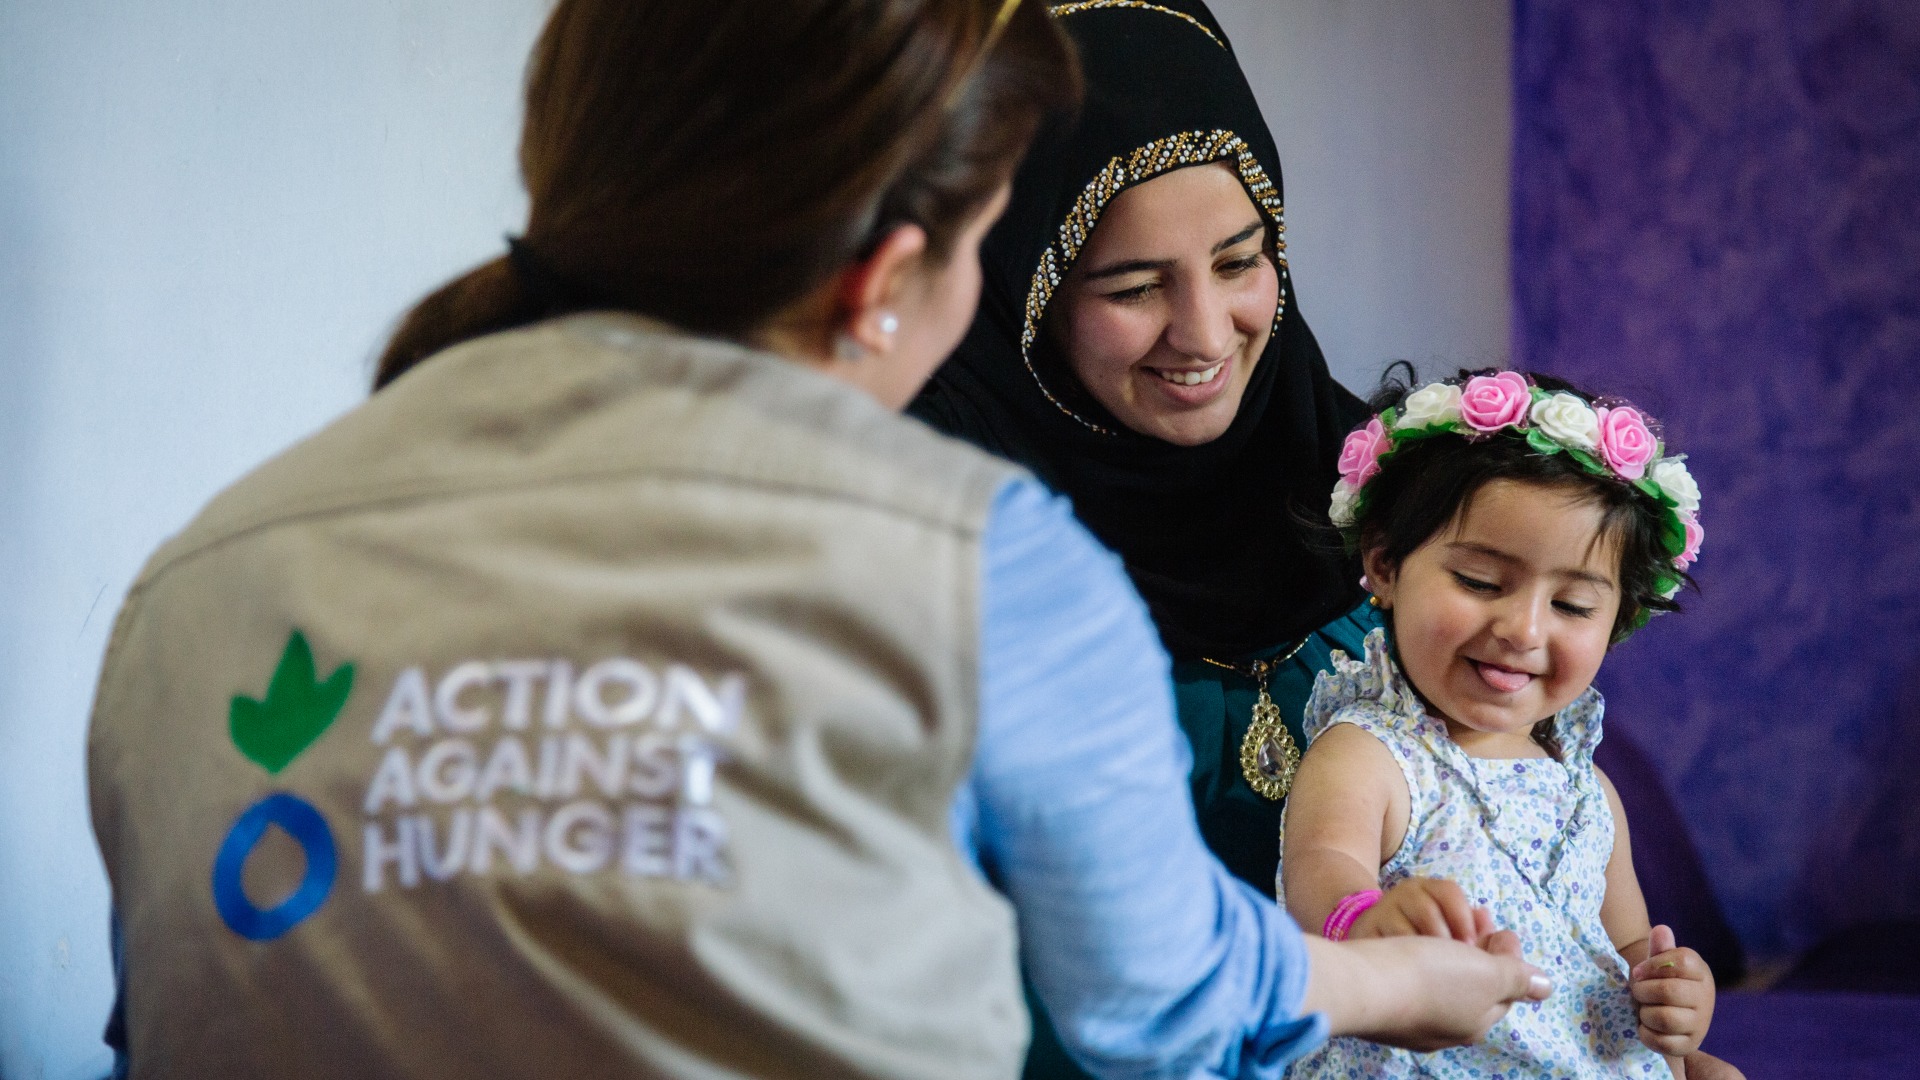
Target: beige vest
[(589, 703)]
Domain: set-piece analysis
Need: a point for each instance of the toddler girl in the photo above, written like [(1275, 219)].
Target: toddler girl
[(1512, 530)]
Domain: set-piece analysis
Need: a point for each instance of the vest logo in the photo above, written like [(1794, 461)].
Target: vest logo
[(272, 731), (507, 765)]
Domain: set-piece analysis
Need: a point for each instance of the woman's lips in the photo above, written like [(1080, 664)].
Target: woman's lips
[(1191, 386), (1502, 680), (1191, 377)]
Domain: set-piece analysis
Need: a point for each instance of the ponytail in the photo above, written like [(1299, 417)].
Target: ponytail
[(484, 300)]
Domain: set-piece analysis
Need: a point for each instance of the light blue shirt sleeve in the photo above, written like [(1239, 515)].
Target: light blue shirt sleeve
[(1152, 960)]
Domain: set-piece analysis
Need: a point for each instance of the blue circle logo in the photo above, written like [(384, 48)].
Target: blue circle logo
[(309, 830)]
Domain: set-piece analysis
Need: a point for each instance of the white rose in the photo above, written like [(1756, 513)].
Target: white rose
[(1436, 403), (1568, 421), (1344, 496), (1673, 478)]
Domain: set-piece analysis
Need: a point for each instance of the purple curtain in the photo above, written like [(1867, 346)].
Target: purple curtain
[(1717, 214)]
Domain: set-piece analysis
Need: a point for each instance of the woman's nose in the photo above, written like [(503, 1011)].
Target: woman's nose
[(1201, 322)]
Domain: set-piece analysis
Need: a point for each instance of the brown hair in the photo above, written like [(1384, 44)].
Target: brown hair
[(711, 164)]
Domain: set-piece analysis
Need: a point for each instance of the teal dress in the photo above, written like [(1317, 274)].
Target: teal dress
[(1241, 826)]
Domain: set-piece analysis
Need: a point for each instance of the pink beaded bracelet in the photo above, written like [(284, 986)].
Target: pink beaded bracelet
[(1350, 908)]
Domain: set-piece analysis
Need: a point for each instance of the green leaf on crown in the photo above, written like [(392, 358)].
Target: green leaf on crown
[(1588, 461), (1639, 620), (1673, 534), (1659, 494), (1405, 435)]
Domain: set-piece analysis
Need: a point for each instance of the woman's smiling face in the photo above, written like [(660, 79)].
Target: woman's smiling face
[(1171, 304)]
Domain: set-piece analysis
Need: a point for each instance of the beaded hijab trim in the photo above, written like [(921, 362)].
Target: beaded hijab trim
[(1607, 438), (1061, 11)]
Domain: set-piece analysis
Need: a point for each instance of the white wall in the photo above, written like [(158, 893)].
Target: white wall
[(212, 210), (210, 213), (1394, 120)]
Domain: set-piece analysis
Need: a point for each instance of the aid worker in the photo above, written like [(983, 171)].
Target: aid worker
[(626, 689)]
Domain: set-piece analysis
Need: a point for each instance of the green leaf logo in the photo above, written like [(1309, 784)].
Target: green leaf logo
[(298, 708)]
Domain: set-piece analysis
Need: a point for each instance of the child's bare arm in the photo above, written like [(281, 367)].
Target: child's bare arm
[(1346, 815), (1672, 987), (1623, 911)]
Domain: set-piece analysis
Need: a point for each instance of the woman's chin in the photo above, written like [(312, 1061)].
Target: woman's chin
[(1189, 434)]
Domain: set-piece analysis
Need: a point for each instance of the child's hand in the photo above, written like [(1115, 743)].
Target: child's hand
[(1426, 907), (1673, 993)]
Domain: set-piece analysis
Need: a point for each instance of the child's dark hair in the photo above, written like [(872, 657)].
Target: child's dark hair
[(1424, 485)]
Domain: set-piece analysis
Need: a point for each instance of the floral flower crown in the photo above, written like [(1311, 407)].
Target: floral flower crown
[(1615, 442)]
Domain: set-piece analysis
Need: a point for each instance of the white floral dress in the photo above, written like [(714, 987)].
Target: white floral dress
[(1528, 839)]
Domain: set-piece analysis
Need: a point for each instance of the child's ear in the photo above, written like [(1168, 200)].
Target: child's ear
[(1379, 577)]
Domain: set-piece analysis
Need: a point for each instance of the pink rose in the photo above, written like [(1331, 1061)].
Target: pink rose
[(1491, 402), (1695, 534), (1360, 457), (1626, 444)]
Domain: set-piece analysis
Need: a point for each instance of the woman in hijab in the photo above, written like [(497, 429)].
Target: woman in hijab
[(1180, 402), (627, 689), (1140, 348)]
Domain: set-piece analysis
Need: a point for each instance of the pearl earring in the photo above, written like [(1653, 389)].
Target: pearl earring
[(848, 350)]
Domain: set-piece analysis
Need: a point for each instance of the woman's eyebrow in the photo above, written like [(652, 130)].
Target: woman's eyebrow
[(1132, 266), (1136, 266), (1240, 237)]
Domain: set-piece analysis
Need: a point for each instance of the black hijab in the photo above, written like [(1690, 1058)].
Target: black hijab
[(1219, 538)]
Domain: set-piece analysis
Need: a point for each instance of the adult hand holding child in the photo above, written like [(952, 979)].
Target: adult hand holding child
[(1462, 992), (1418, 992)]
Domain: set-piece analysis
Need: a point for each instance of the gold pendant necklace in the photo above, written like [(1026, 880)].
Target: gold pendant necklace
[(1268, 755)]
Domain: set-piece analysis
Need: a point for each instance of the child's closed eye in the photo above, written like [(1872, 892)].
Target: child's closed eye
[(1567, 607), (1475, 585)]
